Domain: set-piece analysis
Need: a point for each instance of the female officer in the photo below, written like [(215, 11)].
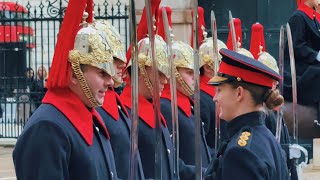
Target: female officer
[(251, 152)]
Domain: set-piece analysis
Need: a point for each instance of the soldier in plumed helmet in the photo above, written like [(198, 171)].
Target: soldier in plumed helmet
[(66, 138), (113, 111)]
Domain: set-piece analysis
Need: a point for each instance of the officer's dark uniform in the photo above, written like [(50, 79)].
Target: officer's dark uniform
[(251, 152), (187, 127), (305, 31), (116, 118), (208, 110), (76, 138)]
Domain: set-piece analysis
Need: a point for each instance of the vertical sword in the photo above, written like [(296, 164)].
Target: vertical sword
[(134, 93), (155, 93), (233, 33), (280, 111), (294, 84), (216, 68), (173, 90), (198, 122)]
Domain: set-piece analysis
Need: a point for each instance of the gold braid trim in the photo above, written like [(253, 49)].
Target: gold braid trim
[(84, 85), (113, 35), (186, 58), (146, 77), (184, 85)]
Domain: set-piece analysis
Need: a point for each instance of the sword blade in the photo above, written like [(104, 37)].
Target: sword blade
[(233, 33), (216, 67), (198, 122), (280, 111), (294, 84), (155, 93), (134, 93), (173, 90)]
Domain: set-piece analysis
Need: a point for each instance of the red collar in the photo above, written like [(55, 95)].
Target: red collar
[(145, 111), (311, 13), (204, 86), (76, 112), (111, 103), (183, 101)]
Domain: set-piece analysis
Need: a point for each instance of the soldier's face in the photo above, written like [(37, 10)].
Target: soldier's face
[(313, 3), (188, 76), (118, 66), (226, 97), (98, 81), (144, 90)]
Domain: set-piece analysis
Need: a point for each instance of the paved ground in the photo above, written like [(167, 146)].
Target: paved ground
[(6, 165)]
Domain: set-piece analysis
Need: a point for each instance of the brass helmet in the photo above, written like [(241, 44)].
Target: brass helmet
[(91, 48), (114, 39), (144, 57), (183, 57), (243, 51), (206, 52), (115, 43), (268, 60)]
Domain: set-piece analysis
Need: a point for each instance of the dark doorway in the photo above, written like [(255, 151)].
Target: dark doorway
[(270, 13)]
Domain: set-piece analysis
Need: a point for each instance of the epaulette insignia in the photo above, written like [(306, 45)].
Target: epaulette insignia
[(246, 133), (244, 138), (242, 142)]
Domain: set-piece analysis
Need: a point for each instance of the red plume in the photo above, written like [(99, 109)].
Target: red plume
[(201, 23), (257, 40), (160, 25), (142, 29), (89, 10), (59, 74), (238, 29)]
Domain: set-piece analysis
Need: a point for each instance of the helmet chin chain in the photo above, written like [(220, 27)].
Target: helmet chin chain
[(146, 78), (184, 85), (84, 85)]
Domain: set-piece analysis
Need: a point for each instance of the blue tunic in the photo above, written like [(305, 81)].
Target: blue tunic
[(119, 130), (51, 148), (252, 152)]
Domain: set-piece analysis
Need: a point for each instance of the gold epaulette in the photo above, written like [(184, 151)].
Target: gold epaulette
[(244, 137)]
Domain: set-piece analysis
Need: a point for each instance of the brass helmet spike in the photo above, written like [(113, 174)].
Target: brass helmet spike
[(243, 51), (260, 49), (84, 22), (204, 32), (93, 15)]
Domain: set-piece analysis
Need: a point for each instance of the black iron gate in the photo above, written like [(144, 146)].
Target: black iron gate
[(28, 35)]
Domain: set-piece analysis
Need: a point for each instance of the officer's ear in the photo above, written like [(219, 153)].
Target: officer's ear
[(240, 93)]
